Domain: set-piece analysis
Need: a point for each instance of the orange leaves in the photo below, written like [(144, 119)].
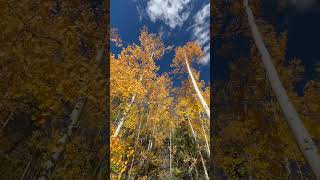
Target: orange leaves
[(120, 154), (135, 66), (188, 52), (156, 107), (44, 62), (124, 80), (151, 44)]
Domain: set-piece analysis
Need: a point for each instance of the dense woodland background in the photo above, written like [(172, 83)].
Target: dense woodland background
[(250, 137), (158, 131), (53, 90), (54, 104)]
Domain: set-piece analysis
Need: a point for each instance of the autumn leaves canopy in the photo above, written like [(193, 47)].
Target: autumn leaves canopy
[(146, 109)]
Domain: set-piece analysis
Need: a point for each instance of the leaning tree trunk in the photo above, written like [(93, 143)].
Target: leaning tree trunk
[(302, 136), (170, 151), (125, 113), (26, 169), (58, 150), (287, 165), (201, 157), (135, 147), (200, 97), (121, 121), (205, 135), (6, 122), (150, 139)]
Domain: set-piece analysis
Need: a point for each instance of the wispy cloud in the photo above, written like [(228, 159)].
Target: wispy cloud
[(172, 12), (201, 31), (163, 33), (141, 13)]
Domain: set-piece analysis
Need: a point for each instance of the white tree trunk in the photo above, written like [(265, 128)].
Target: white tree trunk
[(58, 150), (205, 137), (170, 155), (196, 141), (288, 166), (135, 147), (150, 138), (124, 115), (200, 97), (121, 121), (302, 136)]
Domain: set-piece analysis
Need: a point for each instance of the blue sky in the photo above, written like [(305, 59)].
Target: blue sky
[(177, 21), (299, 20)]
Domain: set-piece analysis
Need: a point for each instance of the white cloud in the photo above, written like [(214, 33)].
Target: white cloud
[(163, 33), (201, 31), (140, 13), (172, 12)]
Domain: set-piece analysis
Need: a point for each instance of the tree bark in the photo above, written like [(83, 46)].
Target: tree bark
[(205, 136), (58, 150), (199, 151), (24, 174), (200, 97), (4, 124), (121, 121), (125, 113), (170, 155), (288, 166), (302, 136), (135, 147), (150, 138)]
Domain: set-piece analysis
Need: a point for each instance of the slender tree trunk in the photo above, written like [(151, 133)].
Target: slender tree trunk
[(23, 176), (121, 121), (124, 115), (288, 166), (4, 124), (200, 97), (135, 147), (58, 150), (150, 139), (170, 155), (29, 172), (206, 123), (98, 167), (201, 157), (205, 136), (302, 136), (299, 170), (100, 174)]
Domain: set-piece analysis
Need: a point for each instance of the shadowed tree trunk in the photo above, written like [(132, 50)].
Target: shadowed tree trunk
[(58, 150), (170, 155), (302, 136), (205, 136)]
